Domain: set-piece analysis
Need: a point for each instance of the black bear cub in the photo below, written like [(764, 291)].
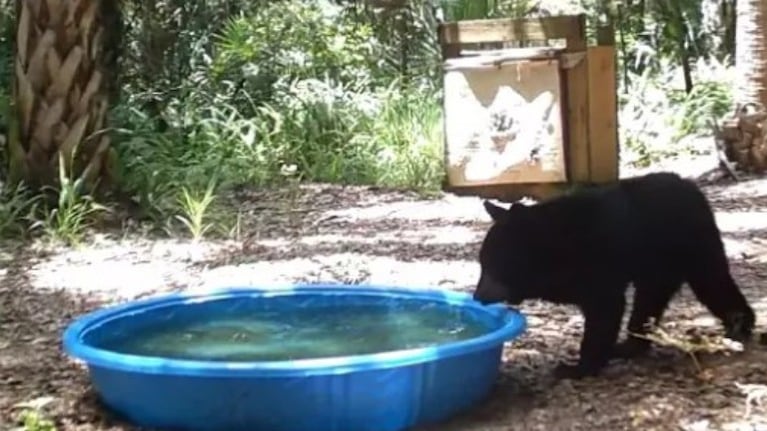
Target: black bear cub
[(656, 231)]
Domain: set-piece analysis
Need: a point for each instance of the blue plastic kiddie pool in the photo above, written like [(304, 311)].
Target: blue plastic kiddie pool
[(386, 390)]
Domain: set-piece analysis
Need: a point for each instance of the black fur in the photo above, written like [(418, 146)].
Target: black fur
[(656, 231)]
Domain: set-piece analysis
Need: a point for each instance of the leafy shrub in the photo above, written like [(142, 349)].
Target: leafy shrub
[(389, 138), (291, 41), (291, 84), (6, 60), (656, 114), (330, 132)]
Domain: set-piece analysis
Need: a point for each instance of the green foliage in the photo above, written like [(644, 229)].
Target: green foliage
[(195, 210), (480, 9), (656, 114), (73, 213), (34, 420), (708, 99), (166, 42), (266, 92), (6, 56), (6, 45), (284, 42), (17, 205), (63, 220), (333, 133), (288, 84)]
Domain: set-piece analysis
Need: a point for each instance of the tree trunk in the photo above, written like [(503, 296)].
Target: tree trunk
[(742, 138), (64, 75), (751, 52)]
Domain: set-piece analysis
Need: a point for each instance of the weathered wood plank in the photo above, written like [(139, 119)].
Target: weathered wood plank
[(510, 192), (508, 30), (576, 114), (603, 121)]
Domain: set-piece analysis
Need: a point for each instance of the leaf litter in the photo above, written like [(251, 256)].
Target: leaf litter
[(366, 235)]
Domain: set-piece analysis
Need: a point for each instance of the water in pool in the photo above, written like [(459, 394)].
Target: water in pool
[(314, 332)]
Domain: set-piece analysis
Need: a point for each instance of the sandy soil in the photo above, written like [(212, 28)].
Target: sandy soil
[(363, 235)]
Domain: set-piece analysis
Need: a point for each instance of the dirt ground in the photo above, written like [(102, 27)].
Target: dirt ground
[(356, 235)]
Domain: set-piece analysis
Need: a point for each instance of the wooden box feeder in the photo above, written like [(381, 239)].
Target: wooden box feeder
[(527, 120)]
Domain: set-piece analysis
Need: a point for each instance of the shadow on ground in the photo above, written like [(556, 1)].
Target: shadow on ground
[(662, 391), (348, 236), (32, 363)]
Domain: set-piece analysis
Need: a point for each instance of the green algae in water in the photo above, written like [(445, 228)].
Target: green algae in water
[(303, 333)]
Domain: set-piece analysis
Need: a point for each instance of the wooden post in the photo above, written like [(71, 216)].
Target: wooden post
[(577, 99), (603, 117)]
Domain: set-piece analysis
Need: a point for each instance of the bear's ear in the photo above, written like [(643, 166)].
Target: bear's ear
[(496, 212)]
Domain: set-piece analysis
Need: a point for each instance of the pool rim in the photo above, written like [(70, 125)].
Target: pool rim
[(514, 324)]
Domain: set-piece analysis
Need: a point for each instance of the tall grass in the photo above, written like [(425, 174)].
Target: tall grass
[(330, 132), (388, 138)]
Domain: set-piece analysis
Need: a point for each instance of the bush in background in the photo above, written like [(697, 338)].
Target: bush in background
[(228, 93)]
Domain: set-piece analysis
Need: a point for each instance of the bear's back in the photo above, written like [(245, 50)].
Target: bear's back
[(633, 225)]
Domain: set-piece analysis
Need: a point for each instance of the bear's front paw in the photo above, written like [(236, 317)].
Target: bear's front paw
[(574, 371)]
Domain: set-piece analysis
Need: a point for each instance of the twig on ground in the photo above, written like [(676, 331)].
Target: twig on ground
[(719, 147), (755, 395), (703, 343)]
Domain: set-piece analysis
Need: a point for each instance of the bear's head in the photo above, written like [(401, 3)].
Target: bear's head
[(504, 256)]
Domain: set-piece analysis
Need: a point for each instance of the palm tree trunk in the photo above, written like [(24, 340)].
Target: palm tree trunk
[(61, 90), (751, 51), (743, 139)]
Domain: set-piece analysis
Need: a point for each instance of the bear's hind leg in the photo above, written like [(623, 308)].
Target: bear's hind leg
[(602, 323), (651, 298)]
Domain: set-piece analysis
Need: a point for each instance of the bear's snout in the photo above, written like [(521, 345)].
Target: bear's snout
[(489, 291)]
